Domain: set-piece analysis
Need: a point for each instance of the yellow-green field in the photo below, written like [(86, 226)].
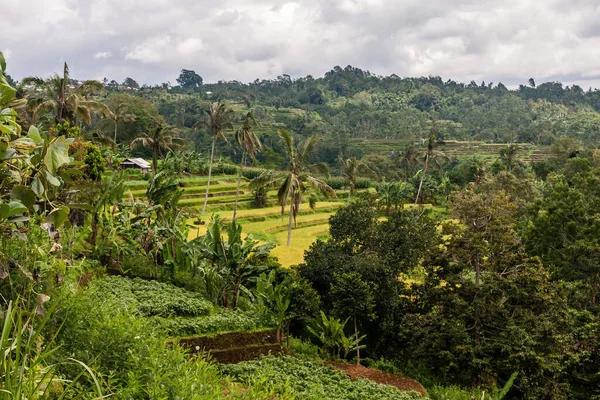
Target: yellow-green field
[(271, 226)]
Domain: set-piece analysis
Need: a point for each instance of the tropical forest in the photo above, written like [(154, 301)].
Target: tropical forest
[(348, 236)]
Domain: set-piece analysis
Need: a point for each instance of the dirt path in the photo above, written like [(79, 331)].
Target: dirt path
[(401, 382)]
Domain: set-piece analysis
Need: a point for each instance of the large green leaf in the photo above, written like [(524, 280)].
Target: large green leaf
[(37, 186), (57, 154), (51, 179), (35, 135), (2, 62), (58, 216), (7, 210), (24, 194)]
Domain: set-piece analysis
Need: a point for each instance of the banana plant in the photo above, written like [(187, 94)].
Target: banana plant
[(231, 257)]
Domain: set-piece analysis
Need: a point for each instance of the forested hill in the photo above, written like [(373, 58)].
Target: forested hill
[(350, 102)]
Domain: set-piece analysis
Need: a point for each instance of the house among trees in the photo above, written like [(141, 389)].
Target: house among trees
[(140, 163)]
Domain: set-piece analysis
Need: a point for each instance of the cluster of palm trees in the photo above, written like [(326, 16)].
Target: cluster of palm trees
[(66, 101)]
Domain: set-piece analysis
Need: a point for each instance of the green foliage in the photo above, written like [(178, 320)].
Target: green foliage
[(292, 377), (29, 370), (94, 163), (151, 298), (337, 183), (223, 321)]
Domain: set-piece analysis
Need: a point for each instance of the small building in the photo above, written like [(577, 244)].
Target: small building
[(140, 163)]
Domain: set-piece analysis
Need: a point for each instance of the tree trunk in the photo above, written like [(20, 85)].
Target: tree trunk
[(94, 228), (422, 178), (212, 156), (356, 342), (289, 238), (116, 127), (237, 192)]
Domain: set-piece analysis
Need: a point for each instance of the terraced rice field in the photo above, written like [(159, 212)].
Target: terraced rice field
[(266, 223)]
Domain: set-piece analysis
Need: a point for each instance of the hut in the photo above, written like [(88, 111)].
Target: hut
[(139, 163)]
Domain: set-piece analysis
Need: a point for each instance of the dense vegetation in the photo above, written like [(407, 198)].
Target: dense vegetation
[(472, 267)]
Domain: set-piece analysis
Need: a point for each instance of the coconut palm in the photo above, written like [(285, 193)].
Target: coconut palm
[(351, 168), (164, 138), (508, 156), (216, 119), (121, 111), (294, 182), (69, 102), (250, 144), (431, 155)]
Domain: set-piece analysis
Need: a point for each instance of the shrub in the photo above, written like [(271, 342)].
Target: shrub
[(363, 183), (337, 183), (252, 173), (226, 169)]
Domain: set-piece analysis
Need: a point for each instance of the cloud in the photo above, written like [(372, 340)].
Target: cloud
[(103, 54), (153, 40)]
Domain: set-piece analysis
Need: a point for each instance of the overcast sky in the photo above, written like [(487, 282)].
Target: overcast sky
[(152, 40)]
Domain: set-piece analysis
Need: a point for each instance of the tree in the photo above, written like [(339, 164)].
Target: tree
[(431, 154), (122, 110), (295, 183), (189, 79), (163, 138), (353, 297), (250, 144), (60, 95), (488, 237), (130, 83), (508, 155), (217, 118), (350, 169)]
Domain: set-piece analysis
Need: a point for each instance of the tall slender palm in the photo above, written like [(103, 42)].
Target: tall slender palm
[(295, 182), (163, 138), (216, 119), (69, 102), (250, 144), (431, 154), (351, 168), (121, 112)]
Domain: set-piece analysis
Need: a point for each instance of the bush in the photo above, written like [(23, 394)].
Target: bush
[(363, 183), (253, 173), (226, 169), (102, 330), (337, 183)]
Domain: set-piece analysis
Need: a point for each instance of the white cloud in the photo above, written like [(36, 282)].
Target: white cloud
[(103, 54), (190, 46)]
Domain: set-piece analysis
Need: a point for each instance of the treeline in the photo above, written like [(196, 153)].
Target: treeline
[(350, 102)]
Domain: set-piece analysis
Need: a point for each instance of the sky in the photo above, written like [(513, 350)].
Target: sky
[(505, 41)]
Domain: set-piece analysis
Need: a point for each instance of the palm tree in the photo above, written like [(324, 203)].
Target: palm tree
[(407, 158), (216, 119), (350, 169), (163, 138), (295, 183), (250, 144), (508, 155), (121, 111), (431, 154), (69, 102)]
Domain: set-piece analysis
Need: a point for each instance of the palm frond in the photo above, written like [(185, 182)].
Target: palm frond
[(321, 186)]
